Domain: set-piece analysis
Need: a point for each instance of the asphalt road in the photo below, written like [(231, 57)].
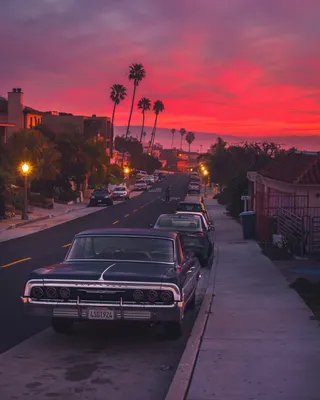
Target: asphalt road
[(98, 361)]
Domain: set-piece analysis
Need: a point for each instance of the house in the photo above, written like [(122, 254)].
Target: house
[(92, 126), (288, 189), (295, 174), (14, 115)]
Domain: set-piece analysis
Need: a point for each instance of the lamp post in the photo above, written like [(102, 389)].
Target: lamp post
[(25, 168), (205, 173)]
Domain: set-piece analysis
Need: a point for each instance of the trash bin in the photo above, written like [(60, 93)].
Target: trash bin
[(248, 222)]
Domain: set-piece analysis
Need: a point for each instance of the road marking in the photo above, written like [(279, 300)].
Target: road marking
[(115, 222), (67, 245), (127, 215), (15, 262)]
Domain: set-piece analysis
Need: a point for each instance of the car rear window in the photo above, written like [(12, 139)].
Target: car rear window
[(192, 207), (128, 248), (140, 181), (120, 189), (189, 224), (100, 191)]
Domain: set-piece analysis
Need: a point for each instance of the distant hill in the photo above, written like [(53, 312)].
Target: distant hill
[(164, 136)]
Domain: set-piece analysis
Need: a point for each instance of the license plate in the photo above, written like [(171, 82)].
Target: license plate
[(101, 314)]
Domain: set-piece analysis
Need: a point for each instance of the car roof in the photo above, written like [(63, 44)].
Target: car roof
[(127, 232)]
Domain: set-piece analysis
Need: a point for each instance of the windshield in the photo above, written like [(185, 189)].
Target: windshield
[(127, 248), (177, 223), (204, 227), (192, 207), (99, 192)]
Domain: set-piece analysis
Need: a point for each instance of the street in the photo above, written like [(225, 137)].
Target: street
[(98, 361)]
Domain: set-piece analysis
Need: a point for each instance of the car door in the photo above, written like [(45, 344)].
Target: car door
[(189, 271)]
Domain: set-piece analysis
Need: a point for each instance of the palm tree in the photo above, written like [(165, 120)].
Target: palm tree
[(117, 94), (158, 107), (144, 104), (182, 133), (144, 134), (173, 131), (136, 74), (190, 137)]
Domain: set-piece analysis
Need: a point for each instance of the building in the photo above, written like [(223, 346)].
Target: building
[(89, 126), (288, 189), (14, 115)]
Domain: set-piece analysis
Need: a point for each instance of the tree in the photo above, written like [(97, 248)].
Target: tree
[(173, 131), (144, 105), (29, 145), (117, 94), (136, 74), (158, 107), (182, 133), (190, 137)]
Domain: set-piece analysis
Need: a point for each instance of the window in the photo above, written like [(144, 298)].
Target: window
[(127, 248), (192, 207), (177, 223)]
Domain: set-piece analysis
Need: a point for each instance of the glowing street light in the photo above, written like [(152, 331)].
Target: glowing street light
[(25, 169), (126, 170)]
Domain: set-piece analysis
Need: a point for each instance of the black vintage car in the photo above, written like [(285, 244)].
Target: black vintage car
[(117, 274), (193, 234), (101, 196)]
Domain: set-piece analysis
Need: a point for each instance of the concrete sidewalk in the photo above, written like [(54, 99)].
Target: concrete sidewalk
[(260, 341)]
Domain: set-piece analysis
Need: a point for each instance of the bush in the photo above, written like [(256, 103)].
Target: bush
[(68, 196)]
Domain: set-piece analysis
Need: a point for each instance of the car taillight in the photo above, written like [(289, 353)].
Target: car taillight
[(152, 296), (65, 293), (138, 295), (51, 292), (167, 296), (37, 292)]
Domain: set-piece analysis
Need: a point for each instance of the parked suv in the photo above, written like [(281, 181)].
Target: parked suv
[(101, 197), (120, 193), (140, 185)]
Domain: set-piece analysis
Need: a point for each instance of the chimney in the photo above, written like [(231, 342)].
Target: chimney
[(15, 110)]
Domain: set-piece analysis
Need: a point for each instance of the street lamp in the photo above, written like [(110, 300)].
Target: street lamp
[(25, 168), (126, 171), (205, 173)]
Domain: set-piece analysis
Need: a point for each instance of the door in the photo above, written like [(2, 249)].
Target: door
[(188, 273)]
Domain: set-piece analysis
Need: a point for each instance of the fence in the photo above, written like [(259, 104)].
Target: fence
[(298, 223)]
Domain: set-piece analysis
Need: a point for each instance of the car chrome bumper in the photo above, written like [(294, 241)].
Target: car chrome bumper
[(153, 313)]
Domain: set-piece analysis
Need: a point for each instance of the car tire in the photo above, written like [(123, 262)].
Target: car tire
[(62, 325), (173, 330)]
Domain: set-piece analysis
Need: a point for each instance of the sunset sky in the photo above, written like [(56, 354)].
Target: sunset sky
[(226, 66)]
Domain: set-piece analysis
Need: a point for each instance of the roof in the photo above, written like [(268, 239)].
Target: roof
[(301, 168), (127, 232), (30, 110)]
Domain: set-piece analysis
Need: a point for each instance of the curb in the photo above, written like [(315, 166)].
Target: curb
[(179, 387)]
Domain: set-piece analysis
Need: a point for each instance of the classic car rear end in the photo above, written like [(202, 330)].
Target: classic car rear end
[(114, 275)]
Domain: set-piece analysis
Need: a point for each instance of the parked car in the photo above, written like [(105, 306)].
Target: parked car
[(140, 185), (120, 193), (101, 197), (206, 223), (149, 182), (194, 235), (194, 188), (191, 205), (141, 174), (117, 274)]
